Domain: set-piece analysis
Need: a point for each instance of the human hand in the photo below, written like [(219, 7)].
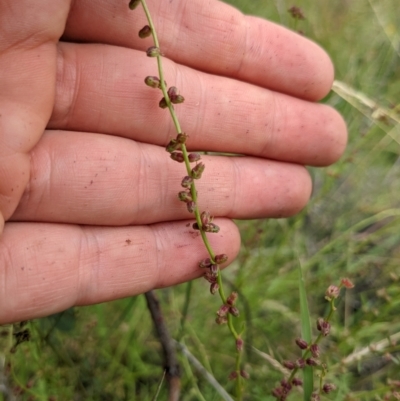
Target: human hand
[(89, 194)]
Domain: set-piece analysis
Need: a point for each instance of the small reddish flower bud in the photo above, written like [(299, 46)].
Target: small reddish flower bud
[(297, 382), (205, 218), (185, 196), (300, 363), (172, 92), (332, 292), (233, 375), (187, 182), (153, 82), (177, 99), (347, 283), (194, 157), (315, 397), (172, 145), (231, 300), (214, 287), (311, 362), (191, 206), (286, 384), (244, 374), (314, 348), (133, 4), (221, 320), (302, 344), (219, 259), (288, 365), (214, 269), (153, 51), (181, 138), (204, 263), (163, 103), (145, 32), (323, 326), (223, 310), (239, 344), (210, 277), (197, 171), (211, 228), (234, 311), (177, 156), (328, 387)]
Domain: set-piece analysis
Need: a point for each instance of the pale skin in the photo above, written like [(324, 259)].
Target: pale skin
[(88, 195)]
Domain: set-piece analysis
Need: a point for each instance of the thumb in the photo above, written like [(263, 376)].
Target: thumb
[(29, 32)]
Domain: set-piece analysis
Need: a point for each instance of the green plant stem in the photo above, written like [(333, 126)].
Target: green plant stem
[(193, 189)]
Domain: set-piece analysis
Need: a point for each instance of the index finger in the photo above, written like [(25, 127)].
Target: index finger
[(213, 37)]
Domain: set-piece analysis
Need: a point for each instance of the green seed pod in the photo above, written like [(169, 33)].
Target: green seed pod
[(133, 4), (163, 103), (153, 82), (185, 196), (187, 182), (172, 145), (219, 259), (153, 51), (177, 99), (197, 171), (181, 138), (145, 32), (191, 206), (177, 156)]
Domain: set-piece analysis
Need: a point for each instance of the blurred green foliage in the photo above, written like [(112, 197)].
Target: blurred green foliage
[(350, 228)]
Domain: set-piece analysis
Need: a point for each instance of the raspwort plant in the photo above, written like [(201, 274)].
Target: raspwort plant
[(204, 221)]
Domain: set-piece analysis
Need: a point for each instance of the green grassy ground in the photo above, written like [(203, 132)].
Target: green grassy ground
[(350, 228)]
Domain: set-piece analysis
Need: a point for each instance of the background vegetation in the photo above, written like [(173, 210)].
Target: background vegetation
[(350, 228)]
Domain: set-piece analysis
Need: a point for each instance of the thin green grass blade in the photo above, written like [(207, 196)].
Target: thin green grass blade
[(308, 380)]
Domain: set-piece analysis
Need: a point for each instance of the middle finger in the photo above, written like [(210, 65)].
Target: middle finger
[(100, 89)]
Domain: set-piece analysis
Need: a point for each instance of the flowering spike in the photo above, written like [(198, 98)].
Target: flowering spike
[(311, 362), (145, 32)]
